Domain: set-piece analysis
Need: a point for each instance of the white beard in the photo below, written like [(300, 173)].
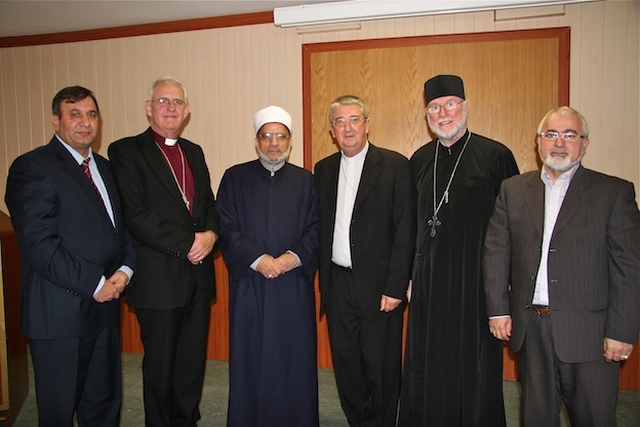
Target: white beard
[(457, 130)]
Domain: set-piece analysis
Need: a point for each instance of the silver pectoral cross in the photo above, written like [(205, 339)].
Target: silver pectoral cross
[(434, 222)]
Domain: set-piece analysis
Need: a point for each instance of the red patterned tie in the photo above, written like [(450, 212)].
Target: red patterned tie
[(87, 172)]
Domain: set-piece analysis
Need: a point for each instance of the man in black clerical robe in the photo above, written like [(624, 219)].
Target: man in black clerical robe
[(453, 365), (269, 240)]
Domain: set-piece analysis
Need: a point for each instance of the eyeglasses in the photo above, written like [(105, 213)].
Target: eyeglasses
[(448, 106), (267, 136), (353, 121), (166, 101), (570, 136)]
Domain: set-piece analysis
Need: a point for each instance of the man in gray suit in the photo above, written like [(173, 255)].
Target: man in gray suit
[(562, 277)]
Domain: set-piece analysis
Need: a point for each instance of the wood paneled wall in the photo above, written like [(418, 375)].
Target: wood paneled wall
[(230, 73)]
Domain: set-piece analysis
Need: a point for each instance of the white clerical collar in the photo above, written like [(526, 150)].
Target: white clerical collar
[(358, 157), (170, 142)]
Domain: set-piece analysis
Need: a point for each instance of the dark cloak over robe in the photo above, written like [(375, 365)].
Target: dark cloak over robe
[(453, 365), (272, 353)]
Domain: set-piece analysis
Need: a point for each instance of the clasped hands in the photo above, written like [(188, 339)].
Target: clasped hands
[(271, 267), (112, 288)]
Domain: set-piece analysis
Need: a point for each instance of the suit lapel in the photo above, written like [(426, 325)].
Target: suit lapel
[(199, 176), (159, 167), (69, 166), (577, 194), (370, 171), (332, 187), (535, 202), (112, 188)]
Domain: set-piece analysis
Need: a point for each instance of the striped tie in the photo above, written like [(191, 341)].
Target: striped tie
[(87, 172)]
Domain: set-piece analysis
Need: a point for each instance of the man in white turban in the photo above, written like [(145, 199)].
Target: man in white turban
[(269, 240)]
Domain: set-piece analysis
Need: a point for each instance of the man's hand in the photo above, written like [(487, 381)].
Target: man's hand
[(268, 267), (112, 288), (500, 327), (119, 280), (616, 351), (107, 293), (202, 246), (286, 262), (388, 304)]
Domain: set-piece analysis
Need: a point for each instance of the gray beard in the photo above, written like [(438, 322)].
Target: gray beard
[(274, 162), (560, 165)]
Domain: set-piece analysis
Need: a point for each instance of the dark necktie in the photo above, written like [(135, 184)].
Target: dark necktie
[(87, 172)]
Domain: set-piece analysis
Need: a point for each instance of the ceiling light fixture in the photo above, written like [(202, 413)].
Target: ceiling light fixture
[(362, 10)]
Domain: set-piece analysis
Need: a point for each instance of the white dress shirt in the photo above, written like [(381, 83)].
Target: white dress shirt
[(348, 182), (553, 197)]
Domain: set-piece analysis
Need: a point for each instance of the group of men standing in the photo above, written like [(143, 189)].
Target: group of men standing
[(548, 260)]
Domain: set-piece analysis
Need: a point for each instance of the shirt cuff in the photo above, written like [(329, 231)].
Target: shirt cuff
[(297, 258), (254, 264), (125, 269)]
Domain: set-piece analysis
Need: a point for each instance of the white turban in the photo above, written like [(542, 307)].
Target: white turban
[(271, 114)]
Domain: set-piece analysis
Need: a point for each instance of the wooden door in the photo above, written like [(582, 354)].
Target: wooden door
[(511, 80)]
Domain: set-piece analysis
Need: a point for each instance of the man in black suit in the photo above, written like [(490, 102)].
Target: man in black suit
[(76, 261), (170, 211), (562, 278), (367, 232)]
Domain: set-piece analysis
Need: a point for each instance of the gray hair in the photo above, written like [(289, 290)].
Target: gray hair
[(169, 79), (561, 111), (348, 100)]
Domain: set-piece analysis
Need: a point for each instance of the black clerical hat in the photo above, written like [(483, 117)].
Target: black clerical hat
[(443, 85)]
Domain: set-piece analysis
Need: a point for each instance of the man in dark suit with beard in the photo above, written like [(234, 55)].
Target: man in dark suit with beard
[(76, 261), (367, 232), (562, 278), (170, 211)]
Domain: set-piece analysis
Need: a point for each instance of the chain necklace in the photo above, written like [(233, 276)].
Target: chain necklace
[(434, 221), (182, 187)]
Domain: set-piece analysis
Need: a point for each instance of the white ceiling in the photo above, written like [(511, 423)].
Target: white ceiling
[(31, 17)]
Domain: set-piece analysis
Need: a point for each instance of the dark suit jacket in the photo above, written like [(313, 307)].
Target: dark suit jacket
[(162, 227), (593, 267), (67, 242), (382, 231)]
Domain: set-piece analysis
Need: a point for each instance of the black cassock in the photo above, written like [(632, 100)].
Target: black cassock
[(272, 353), (453, 365)]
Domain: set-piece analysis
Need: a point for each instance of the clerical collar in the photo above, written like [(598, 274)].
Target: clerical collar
[(271, 167), (358, 157), (162, 140)]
